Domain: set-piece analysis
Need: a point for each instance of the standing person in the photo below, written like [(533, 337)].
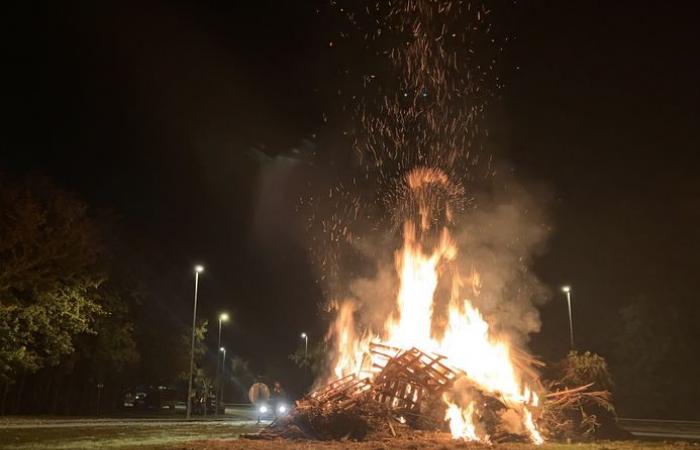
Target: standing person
[(278, 398)]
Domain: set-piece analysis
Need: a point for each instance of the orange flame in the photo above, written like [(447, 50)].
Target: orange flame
[(351, 349), (467, 342), (461, 422), (529, 424)]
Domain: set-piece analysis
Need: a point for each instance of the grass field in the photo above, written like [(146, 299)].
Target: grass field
[(225, 436), (119, 437)]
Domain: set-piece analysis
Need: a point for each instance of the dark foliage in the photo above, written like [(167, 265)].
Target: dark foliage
[(77, 322)]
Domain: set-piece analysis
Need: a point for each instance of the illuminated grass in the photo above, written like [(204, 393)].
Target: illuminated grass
[(118, 436), (225, 436)]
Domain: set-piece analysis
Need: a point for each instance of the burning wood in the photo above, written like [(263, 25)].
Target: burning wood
[(411, 380), (408, 393)]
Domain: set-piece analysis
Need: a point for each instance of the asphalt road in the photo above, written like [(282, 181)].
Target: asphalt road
[(236, 415), (83, 423), (662, 429)]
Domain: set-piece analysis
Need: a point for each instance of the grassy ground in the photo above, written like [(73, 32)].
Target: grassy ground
[(119, 437), (225, 436), (436, 444)]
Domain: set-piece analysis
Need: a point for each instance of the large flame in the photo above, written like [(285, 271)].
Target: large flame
[(462, 422), (352, 348), (466, 341)]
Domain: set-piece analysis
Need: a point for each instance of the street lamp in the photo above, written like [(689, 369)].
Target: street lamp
[(305, 337), (223, 370), (197, 270), (567, 291), (223, 317)]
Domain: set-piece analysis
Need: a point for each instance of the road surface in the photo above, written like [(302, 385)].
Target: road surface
[(662, 429)]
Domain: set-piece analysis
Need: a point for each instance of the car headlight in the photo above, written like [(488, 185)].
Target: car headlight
[(263, 409), (282, 409)]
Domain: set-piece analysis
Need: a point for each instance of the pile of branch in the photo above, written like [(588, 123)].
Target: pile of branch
[(407, 392), (405, 395), (402, 396), (579, 413)]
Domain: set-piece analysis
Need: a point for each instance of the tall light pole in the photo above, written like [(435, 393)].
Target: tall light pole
[(220, 394), (567, 291), (197, 270), (223, 317), (305, 337)]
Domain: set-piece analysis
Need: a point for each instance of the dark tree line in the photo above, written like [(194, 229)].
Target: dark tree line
[(75, 316), (655, 360)]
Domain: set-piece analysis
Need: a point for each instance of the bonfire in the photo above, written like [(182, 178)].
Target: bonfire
[(414, 374), (422, 374)]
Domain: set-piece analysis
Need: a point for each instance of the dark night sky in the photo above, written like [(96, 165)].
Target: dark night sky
[(150, 109)]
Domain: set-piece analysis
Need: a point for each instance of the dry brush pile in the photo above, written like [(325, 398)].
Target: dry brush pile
[(405, 397)]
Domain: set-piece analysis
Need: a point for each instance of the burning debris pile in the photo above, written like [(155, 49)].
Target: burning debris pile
[(411, 390), (410, 394), (430, 371)]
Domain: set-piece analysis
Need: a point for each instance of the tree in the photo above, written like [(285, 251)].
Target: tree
[(242, 377), (200, 348), (655, 360), (315, 360), (579, 369), (50, 276)]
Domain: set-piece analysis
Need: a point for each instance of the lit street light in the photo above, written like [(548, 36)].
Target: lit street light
[(223, 317), (305, 337), (197, 270), (567, 291)]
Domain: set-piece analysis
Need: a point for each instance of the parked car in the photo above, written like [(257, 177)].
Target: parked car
[(151, 397)]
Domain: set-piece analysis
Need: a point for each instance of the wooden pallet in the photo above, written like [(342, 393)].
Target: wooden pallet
[(343, 391), (411, 378)]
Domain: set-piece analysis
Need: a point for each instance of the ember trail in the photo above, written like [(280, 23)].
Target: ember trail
[(427, 358), (434, 362)]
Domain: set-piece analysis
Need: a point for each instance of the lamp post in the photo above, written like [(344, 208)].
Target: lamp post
[(197, 270), (223, 317), (220, 394), (567, 291), (305, 337)]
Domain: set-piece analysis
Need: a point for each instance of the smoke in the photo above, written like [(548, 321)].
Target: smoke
[(423, 156), (498, 240)]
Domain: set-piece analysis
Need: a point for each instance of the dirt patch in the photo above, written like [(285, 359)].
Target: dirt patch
[(435, 441)]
